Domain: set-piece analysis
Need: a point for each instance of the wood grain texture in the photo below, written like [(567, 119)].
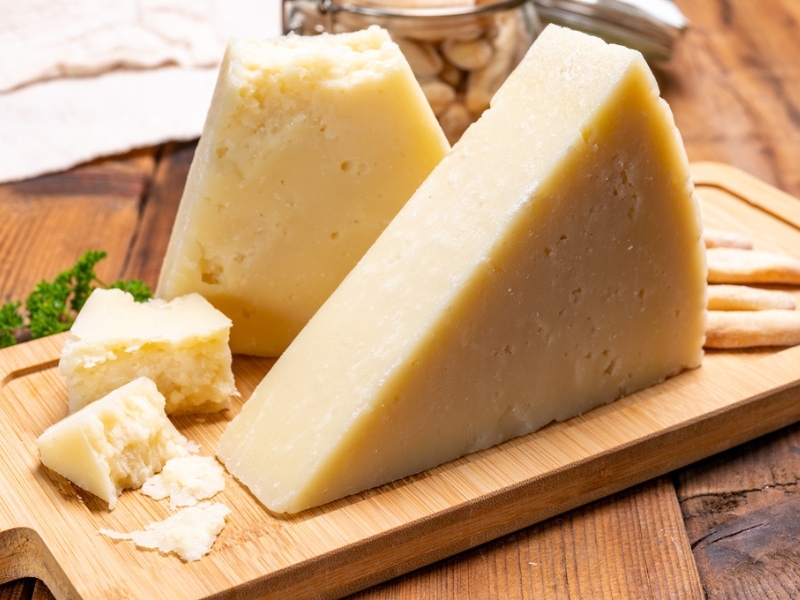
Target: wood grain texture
[(629, 546), (20, 589), (734, 87), (359, 541), (741, 511), (41, 591), (40, 219), (157, 214)]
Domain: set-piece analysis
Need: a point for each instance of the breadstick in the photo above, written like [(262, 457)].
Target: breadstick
[(747, 329), (734, 265), (743, 297), (717, 238)]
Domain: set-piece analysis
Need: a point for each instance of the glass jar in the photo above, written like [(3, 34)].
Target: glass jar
[(461, 51)]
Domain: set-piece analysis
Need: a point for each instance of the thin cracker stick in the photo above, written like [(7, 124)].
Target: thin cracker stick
[(734, 265), (718, 238), (748, 329), (744, 297)]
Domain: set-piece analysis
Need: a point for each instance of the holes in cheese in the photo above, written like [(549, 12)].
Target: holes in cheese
[(311, 146), (552, 262)]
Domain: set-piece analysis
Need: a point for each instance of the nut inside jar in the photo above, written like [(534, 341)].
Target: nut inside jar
[(460, 51)]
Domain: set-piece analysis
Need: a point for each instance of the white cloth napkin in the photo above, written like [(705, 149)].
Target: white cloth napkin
[(81, 79)]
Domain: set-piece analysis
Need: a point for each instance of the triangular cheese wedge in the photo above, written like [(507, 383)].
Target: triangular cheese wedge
[(551, 263), (311, 146)]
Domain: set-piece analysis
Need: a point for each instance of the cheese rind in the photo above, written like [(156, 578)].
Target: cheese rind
[(312, 144), (115, 443), (182, 345), (551, 263)]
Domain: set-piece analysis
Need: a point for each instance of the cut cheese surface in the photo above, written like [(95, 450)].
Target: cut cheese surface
[(115, 443), (552, 262), (182, 345), (311, 146)]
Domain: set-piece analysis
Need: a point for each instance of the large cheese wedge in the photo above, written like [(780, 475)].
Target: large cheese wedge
[(311, 146), (552, 262)]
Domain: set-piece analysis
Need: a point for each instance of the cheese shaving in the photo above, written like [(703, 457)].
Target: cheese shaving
[(189, 533)]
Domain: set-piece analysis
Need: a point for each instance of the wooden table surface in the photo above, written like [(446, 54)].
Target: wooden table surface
[(725, 527)]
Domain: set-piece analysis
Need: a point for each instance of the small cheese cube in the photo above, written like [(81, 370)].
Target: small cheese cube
[(115, 443), (552, 262), (182, 345), (312, 144)]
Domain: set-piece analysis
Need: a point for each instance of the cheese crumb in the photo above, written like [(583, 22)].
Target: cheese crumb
[(186, 480), (189, 533)]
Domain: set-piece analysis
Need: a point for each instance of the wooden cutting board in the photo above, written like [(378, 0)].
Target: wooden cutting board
[(49, 528)]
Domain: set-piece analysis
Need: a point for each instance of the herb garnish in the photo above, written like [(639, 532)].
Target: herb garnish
[(53, 305)]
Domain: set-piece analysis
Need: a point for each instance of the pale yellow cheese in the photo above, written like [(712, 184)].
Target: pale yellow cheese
[(190, 533), (115, 443), (552, 262), (311, 146), (186, 480), (182, 345)]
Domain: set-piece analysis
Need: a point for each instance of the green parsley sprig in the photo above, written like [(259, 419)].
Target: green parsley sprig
[(53, 305)]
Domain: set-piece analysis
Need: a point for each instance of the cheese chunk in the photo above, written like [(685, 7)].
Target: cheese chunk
[(311, 146), (552, 262), (182, 345), (115, 443)]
